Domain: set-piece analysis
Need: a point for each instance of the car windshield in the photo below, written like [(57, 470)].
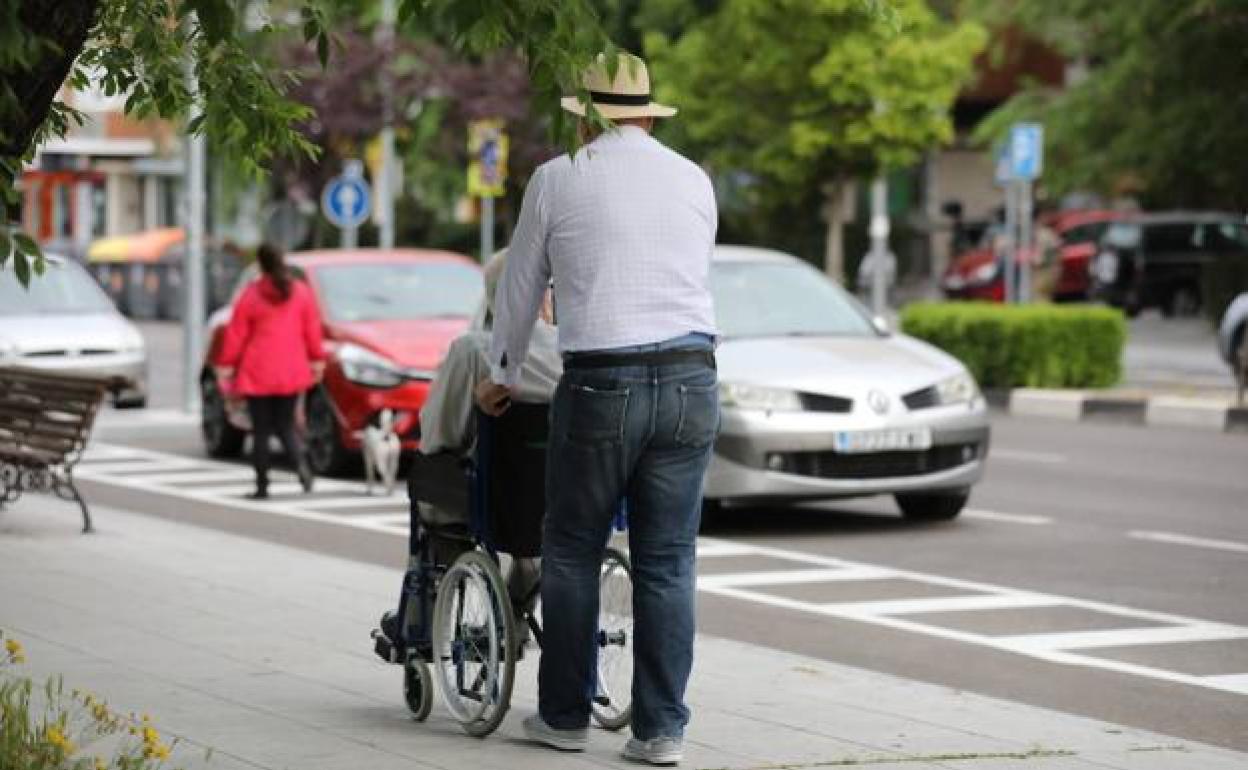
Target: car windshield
[(782, 299), (64, 288), (399, 290), (1123, 235)]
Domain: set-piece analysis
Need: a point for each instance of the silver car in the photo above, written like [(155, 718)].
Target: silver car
[(64, 322), (821, 401)]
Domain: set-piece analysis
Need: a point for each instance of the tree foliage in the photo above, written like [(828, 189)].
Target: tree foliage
[(1161, 111), (801, 92), (137, 48)]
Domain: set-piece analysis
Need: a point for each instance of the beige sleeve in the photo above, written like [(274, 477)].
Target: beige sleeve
[(446, 417)]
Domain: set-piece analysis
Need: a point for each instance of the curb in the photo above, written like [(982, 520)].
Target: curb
[(1206, 414)]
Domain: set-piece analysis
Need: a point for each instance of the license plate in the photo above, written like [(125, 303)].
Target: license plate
[(885, 440)]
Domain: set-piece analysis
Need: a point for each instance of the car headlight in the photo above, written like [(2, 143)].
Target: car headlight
[(985, 273), (958, 389), (365, 367), (757, 397)]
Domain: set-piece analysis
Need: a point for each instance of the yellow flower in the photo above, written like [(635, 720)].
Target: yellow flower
[(99, 764), (14, 648), (58, 739)]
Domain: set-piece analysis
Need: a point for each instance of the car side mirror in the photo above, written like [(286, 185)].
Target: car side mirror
[(881, 325)]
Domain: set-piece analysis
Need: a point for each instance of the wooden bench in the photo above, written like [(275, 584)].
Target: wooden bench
[(45, 421)]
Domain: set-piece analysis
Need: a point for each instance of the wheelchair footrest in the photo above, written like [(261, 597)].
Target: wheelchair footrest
[(386, 649)]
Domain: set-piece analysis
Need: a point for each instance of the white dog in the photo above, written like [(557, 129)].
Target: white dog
[(381, 452)]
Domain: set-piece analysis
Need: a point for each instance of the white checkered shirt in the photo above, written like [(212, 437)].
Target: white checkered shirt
[(626, 228)]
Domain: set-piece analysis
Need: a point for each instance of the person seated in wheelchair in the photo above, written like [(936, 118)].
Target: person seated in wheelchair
[(449, 436)]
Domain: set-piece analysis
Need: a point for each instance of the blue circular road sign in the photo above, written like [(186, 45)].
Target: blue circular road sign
[(345, 201)]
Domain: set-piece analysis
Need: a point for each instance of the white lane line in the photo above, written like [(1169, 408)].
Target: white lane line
[(944, 604), (1007, 518), (1233, 682), (1199, 542), (791, 577), (384, 519), (1123, 637), (714, 550), (1020, 455), (360, 501), (158, 476), (138, 465)]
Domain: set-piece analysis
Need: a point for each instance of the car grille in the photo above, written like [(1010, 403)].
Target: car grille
[(873, 465), (815, 402), (922, 399)]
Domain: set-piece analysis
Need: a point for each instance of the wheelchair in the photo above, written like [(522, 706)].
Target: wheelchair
[(458, 624)]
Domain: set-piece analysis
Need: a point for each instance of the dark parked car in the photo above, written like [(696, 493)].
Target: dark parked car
[(1157, 260)]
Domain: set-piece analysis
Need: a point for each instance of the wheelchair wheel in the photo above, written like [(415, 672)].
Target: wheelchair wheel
[(613, 699), (474, 643), (418, 688)]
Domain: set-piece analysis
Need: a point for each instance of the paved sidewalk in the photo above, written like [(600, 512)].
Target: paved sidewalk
[(261, 652)]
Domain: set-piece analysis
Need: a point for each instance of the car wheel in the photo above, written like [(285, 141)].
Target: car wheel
[(932, 506), (221, 439), (326, 454)]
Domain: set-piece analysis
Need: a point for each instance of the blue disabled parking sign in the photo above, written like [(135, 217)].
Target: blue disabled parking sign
[(1025, 154), (345, 200)]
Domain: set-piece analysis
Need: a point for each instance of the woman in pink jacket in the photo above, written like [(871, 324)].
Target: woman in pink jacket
[(272, 352)]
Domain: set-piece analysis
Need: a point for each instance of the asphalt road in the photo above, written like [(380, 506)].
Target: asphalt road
[(1100, 570)]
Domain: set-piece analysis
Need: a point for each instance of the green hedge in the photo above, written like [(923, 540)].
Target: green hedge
[(1041, 346)]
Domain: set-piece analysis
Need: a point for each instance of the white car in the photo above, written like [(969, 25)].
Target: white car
[(820, 401), (63, 321)]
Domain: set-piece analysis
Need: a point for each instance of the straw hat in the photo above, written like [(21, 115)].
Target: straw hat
[(627, 96)]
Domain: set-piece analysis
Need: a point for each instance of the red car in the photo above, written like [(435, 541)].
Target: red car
[(977, 273), (389, 318)]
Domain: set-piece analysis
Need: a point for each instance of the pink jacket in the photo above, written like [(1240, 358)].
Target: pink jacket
[(271, 343)]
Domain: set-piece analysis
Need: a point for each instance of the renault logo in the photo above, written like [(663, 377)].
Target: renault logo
[(878, 401)]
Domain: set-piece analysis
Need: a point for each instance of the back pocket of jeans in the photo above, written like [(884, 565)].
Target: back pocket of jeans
[(699, 414), (596, 415)]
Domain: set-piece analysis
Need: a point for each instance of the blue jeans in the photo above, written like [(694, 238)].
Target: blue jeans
[(644, 433)]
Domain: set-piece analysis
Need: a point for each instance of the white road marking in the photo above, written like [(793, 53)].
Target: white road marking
[(1233, 682), (1054, 648), (365, 501), (1008, 518), (385, 519), (1005, 601), (791, 577), (715, 550), (1046, 458), (1123, 637), (159, 476), (139, 465), (1178, 629), (1199, 542)]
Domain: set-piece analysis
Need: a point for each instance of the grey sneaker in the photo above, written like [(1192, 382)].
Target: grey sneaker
[(536, 729), (656, 751)]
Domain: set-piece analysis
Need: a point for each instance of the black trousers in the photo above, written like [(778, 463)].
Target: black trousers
[(272, 415)]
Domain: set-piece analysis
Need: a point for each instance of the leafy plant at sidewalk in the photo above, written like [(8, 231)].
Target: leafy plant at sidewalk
[(45, 728), (1039, 346)]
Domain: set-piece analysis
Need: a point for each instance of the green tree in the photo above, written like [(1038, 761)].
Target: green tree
[(798, 97), (138, 48), (1161, 108)]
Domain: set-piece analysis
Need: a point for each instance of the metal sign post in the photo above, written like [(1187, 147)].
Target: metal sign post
[(345, 201), (487, 173), (1022, 161)]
